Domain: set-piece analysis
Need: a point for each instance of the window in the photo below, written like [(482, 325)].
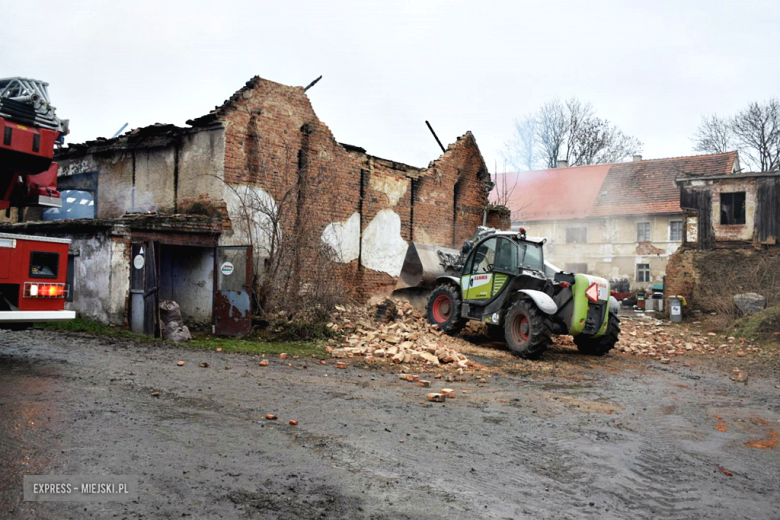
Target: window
[(533, 257), (75, 204), (484, 257), (675, 230), (579, 267), (44, 265), (732, 208), (506, 256), (576, 235), (643, 232), (642, 272)]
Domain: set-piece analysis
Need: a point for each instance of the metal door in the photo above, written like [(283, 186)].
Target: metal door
[(143, 289), (233, 291)]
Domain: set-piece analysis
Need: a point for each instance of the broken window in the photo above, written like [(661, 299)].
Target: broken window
[(642, 272), (75, 204), (643, 232), (576, 235), (732, 208), (675, 230)]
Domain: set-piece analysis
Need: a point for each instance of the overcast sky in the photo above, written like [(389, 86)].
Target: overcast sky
[(652, 68)]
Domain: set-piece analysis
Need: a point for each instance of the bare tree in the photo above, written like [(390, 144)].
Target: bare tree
[(754, 131), (757, 130), (296, 275), (714, 135), (567, 130)]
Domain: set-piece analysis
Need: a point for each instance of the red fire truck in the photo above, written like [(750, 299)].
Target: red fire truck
[(33, 270)]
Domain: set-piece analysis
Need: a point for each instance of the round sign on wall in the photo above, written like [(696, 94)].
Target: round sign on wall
[(138, 262), (226, 269)]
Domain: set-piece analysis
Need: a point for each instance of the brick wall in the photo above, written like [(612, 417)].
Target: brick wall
[(274, 140)]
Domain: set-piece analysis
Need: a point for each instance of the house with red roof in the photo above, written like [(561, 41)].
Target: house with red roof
[(619, 221)]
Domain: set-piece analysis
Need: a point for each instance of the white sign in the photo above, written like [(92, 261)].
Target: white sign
[(226, 269), (676, 310), (138, 262)]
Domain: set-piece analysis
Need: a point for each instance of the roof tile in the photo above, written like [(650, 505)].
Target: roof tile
[(630, 188)]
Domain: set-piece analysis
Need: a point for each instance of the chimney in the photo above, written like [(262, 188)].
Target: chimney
[(637, 157), (561, 163)]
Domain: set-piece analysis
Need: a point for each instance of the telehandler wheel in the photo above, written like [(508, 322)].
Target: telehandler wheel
[(444, 309), (604, 343), (495, 332), (528, 330)]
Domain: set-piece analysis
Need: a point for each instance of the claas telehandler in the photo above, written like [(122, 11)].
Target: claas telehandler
[(501, 279)]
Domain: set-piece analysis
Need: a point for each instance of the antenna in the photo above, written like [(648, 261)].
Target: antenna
[(120, 130), (435, 136), (312, 83)]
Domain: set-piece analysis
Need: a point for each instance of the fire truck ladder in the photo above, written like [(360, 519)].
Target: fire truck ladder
[(26, 101)]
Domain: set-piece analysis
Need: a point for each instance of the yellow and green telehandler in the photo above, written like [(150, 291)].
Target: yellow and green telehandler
[(501, 279)]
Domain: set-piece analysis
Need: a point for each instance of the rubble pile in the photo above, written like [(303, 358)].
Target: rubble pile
[(393, 332), (661, 341)]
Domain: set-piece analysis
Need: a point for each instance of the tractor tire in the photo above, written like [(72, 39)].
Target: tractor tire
[(495, 332), (527, 329), (443, 309), (599, 346)]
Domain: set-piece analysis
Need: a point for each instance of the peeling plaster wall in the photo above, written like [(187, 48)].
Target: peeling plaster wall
[(344, 238), (383, 247), (154, 180), (250, 209), (201, 167), (393, 189), (101, 278), (165, 178)]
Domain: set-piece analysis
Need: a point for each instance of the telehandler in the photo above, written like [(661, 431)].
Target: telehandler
[(501, 279)]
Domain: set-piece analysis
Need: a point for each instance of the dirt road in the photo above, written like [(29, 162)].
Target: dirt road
[(618, 437)]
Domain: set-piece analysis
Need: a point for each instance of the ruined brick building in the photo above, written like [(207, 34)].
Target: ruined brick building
[(187, 213), (731, 241)]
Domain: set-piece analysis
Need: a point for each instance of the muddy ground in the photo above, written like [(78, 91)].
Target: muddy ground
[(565, 437)]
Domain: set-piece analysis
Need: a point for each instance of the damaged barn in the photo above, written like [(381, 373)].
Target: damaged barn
[(730, 241), (257, 196)]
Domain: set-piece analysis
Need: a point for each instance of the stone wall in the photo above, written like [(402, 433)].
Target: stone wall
[(709, 279)]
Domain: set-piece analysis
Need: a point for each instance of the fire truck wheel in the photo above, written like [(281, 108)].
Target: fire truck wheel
[(528, 330), (16, 326), (444, 309)]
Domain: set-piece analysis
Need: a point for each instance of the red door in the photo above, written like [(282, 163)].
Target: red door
[(233, 291)]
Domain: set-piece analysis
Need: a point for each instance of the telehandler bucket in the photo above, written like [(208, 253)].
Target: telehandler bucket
[(423, 264)]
